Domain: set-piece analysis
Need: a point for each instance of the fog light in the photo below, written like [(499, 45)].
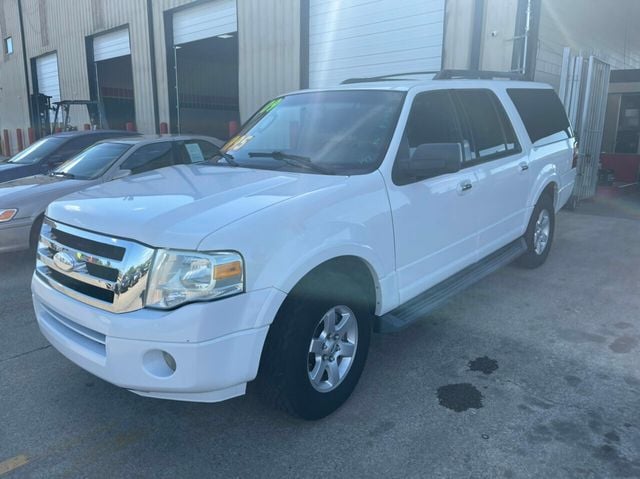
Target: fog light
[(159, 364), (169, 360)]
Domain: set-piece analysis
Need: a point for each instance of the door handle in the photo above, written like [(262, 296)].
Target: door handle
[(524, 166), (466, 186)]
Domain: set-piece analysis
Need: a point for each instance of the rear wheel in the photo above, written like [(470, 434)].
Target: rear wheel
[(539, 234), (317, 347)]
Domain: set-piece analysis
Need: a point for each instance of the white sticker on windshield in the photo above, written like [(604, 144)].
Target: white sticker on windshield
[(195, 153)]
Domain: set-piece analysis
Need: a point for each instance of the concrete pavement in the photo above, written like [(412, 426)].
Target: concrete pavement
[(527, 374)]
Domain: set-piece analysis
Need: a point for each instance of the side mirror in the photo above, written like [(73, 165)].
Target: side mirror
[(434, 159), (121, 174)]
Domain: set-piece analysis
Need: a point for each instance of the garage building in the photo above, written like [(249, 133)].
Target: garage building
[(204, 66)]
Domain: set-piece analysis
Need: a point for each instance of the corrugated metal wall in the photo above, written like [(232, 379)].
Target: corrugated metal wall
[(62, 25), (14, 111), (269, 37), (608, 30)]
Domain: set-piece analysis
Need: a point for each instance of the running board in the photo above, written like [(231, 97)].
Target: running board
[(434, 297)]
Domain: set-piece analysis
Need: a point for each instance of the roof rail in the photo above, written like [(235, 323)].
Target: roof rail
[(476, 75), (441, 75), (390, 77)]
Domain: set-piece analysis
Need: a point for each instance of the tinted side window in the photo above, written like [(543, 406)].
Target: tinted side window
[(541, 111), (492, 135), (150, 157), (432, 119)]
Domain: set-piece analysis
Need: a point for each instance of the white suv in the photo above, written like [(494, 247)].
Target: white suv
[(331, 214)]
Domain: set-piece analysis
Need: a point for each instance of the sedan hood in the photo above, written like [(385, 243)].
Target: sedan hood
[(4, 166), (32, 194), (9, 171), (177, 207)]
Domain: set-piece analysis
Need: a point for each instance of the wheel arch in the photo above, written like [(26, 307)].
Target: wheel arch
[(548, 187), (34, 232), (354, 267)]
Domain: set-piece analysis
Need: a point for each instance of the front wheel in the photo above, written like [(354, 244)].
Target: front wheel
[(316, 348), (539, 234)]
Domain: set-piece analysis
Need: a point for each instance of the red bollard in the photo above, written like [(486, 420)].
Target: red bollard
[(20, 139), (6, 146), (164, 128), (87, 126), (130, 126), (32, 136), (233, 128)]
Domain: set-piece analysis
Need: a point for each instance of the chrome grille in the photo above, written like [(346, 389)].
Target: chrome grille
[(105, 272)]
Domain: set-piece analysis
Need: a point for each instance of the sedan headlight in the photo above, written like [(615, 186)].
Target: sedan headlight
[(8, 214), (179, 277)]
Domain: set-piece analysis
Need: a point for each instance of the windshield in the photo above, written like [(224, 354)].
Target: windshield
[(339, 132), (36, 152), (92, 162)]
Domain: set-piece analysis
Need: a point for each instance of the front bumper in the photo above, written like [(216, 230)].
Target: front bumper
[(14, 235), (216, 346)]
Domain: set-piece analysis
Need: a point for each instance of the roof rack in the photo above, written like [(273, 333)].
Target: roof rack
[(390, 77), (476, 75), (441, 75)]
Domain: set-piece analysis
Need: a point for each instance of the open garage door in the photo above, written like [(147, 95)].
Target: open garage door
[(48, 84), (364, 38), (205, 55), (114, 77)]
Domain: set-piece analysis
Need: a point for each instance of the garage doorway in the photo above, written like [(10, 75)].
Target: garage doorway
[(203, 68), (46, 86), (113, 78)]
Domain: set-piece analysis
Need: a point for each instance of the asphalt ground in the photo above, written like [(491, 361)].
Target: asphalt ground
[(526, 374)]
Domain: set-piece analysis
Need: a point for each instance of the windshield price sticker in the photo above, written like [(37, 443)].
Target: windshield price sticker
[(195, 153)]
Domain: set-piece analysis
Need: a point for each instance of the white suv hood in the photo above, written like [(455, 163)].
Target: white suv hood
[(177, 207)]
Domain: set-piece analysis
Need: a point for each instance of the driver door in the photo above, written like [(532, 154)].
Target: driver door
[(435, 219)]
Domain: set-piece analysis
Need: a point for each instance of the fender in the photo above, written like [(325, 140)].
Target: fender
[(284, 242), (385, 284), (548, 174)]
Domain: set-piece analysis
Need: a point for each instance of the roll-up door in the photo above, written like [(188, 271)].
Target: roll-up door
[(47, 74), (206, 20), (364, 38), (111, 45)]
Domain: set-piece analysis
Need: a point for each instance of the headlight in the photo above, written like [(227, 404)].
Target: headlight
[(6, 215), (179, 277)]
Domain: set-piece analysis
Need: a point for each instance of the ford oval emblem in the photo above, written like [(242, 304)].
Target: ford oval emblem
[(63, 261)]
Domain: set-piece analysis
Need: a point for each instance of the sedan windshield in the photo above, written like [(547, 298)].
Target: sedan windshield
[(330, 132), (92, 162), (36, 152)]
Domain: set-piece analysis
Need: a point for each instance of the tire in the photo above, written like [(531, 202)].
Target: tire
[(288, 363), (537, 248)]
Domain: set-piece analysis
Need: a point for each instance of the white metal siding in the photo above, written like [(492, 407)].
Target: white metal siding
[(204, 21), (111, 45), (361, 38), (588, 27), (47, 72)]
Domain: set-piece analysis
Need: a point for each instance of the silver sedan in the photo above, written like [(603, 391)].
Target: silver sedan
[(23, 201)]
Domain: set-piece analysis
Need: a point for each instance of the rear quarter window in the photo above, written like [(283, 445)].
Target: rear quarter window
[(541, 112)]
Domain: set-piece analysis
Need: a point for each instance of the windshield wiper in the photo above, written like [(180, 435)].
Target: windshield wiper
[(63, 174), (294, 160), (229, 159)]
